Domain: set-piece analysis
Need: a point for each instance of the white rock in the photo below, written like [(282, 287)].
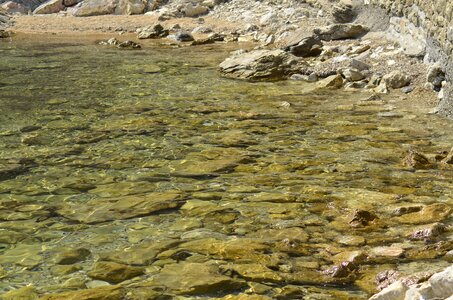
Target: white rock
[(442, 283), (395, 291)]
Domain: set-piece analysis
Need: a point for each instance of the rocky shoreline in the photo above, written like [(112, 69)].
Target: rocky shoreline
[(312, 42)]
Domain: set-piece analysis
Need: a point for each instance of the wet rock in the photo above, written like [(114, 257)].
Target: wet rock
[(343, 13), (49, 7), (341, 32), (395, 291), (195, 278), (95, 8), (152, 32), (141, 254), (100, 293), (181, 36), (71, 256), (396, 79), (101, 210), (429, 232), (428, 214), (25, 293), (448, 160), (260, 64), (416, 160), (28, 256), (351, 74), (331, 82), (194, 10), (362, 218), (129, 45), (114, 272), (303, 44)]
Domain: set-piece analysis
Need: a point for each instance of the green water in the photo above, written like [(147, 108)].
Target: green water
[(203, 187)]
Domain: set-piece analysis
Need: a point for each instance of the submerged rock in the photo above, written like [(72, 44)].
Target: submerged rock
[(114, 272), (195, 278), (260, 64), (101, 210)]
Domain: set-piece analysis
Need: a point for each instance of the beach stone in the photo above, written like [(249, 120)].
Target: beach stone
[(302, 43), (100, 293), (49, 7), (259, 64), (101, 210), (340, 31), (114, 272), (395, 291), (396, 79), (195, 278), (71, 256)]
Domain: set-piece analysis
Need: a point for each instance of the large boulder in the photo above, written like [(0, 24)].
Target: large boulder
[(49, 7), (260, 64), (302, 43), (341, 31), (95, 8)]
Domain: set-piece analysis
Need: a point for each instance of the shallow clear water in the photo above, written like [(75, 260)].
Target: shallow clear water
[(205, 186)]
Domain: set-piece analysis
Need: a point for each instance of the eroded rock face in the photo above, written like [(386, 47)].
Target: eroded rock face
[(260, 65)]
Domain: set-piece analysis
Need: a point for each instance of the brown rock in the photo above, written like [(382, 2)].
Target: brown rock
[(416, 160), (114, 272)]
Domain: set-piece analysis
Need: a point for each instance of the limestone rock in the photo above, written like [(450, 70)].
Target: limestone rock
[(341, 31), (49, 7), (396, 79), (343, 13), (95, 8), (333, 82), (442, 283), (195, 278), (130, 7), (303, 44), (100, 293), (260, 64), (114, 272), (101, 210), (395, 291), (152, 32), (194, 10)]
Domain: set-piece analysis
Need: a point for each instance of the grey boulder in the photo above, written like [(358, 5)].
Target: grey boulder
[(261, 65)]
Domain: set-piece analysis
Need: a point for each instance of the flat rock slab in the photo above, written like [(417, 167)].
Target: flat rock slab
[(102, 210), (195, 278), (260, 65)]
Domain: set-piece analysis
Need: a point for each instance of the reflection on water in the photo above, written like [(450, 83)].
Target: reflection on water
[(144, 173)]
